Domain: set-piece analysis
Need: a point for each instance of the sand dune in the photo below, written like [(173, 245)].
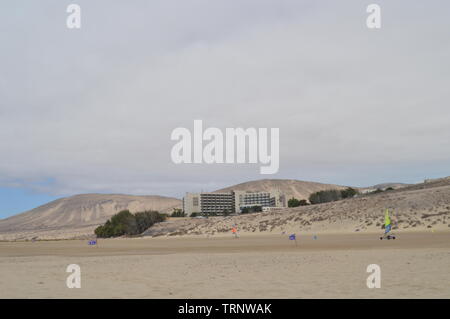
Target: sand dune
[(418, 207)]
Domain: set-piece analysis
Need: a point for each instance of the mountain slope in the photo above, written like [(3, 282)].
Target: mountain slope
[(84, 211), (290, 187)]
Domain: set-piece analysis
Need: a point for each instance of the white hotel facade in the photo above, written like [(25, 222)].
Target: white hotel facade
[(231, 202)]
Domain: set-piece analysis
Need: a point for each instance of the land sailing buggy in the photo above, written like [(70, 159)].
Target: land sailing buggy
[(387, 227)]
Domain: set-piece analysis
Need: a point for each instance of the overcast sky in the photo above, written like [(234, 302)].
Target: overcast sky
[(92, 110)]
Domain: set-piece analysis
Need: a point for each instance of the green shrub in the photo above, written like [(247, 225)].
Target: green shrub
[(294, 202), (331, 195), (325, 196), (252, 209), (348, 192), (177, 213), (125, 223)]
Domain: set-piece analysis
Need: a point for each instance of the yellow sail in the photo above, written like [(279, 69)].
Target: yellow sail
[(387, 220)]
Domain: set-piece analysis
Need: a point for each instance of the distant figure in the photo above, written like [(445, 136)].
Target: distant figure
[(234, 231)]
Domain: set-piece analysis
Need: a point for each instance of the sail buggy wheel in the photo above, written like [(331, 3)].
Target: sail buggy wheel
[(388, 237)]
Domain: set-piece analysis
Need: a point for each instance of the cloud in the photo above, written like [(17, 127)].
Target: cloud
[(92, 110)]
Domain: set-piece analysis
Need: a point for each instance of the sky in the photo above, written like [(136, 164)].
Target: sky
[(91, 110)]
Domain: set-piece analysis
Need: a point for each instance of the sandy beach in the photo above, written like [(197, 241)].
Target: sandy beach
[(415, 265)]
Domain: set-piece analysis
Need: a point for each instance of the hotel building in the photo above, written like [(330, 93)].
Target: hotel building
[(230, 202)]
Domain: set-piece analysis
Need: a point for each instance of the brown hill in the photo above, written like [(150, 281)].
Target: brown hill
[(77, 215), (290, 187)]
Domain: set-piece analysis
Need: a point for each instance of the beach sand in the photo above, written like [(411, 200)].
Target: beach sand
[(415, 265)]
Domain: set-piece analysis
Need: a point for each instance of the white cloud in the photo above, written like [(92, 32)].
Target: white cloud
[(93, 110)]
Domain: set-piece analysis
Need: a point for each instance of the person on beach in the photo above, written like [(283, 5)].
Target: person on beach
[(234, 231)]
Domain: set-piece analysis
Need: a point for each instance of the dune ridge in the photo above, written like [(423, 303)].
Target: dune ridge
[(414, 208)]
